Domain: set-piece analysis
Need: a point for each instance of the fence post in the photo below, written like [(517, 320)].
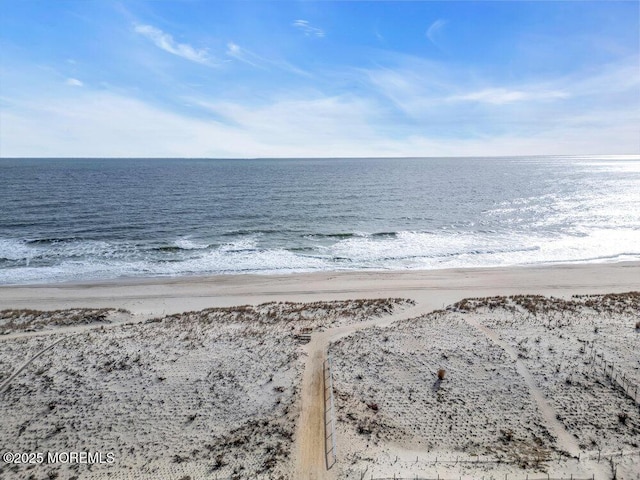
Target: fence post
[(329, 364)]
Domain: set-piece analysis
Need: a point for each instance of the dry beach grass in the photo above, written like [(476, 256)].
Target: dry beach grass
[(217, 391), (515, 366), (199, 394)]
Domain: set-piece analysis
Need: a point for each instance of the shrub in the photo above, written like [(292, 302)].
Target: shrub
[(506, 435), (441, 373)]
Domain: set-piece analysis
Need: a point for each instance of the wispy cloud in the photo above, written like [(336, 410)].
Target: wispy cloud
[(502, 96), (243, 55), (168, 44), (329, 126), (308, 29), (74, 82), (378, 35), (294, 126), (445, 103), (434, 30)]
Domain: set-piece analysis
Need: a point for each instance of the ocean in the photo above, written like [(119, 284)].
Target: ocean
[(89, 219)]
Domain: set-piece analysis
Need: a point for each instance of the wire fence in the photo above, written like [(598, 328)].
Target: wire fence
[(546, 459), (329, 410), (616, 375), (506, 477), (547, 462), (613, 372)]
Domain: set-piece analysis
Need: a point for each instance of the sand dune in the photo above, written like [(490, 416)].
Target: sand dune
[(199, 394), (522, 387), (180, 384)]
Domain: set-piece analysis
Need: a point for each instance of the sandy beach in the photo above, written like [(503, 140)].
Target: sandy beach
[(226, 376)]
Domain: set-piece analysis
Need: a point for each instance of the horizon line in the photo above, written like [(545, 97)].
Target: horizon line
[(405, 157)]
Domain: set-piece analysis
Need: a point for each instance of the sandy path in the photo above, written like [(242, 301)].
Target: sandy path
[(310, 445), (566, 441), (310, 439)]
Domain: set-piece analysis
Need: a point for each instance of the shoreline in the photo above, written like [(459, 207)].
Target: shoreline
[(199, 277), (432, 288)]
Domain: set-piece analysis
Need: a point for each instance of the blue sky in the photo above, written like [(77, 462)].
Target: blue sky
[(285, 79)]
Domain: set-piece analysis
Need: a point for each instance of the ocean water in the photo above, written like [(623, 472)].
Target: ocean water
[(85, 219)]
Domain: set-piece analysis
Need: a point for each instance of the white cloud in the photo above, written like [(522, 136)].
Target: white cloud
[(414, 87), (308, 29), (236, 51), (250, 58), (501, 96), (104, 124), (451, 103), (167, 43), (74, 82), (434, 30), (419, 108)]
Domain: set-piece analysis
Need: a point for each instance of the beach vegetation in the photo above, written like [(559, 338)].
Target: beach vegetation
[(506, 435), (27, 320)]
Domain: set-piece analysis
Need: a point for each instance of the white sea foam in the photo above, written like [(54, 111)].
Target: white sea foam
[(406, 250), (11, 249), (425, 215), (186, 243)]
